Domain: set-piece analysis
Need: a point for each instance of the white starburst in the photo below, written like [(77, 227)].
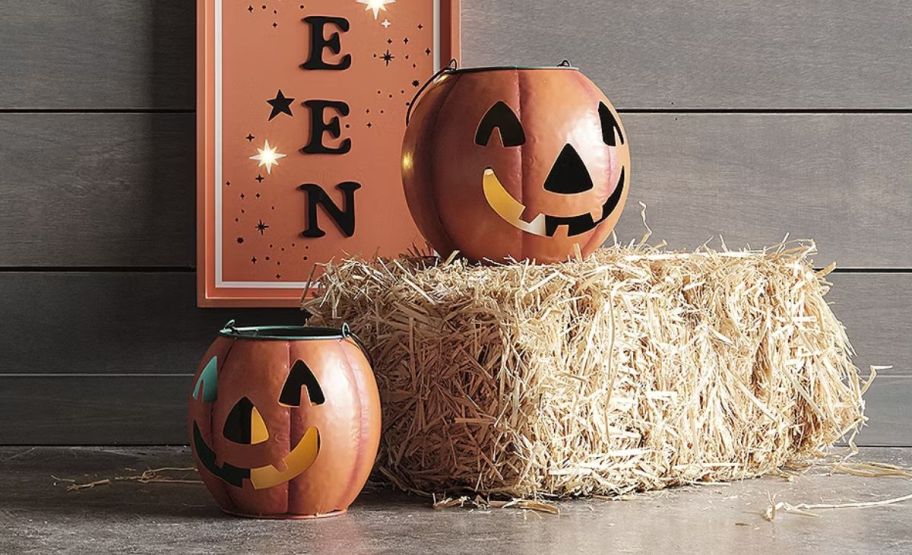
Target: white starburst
[(376, 5), (267, 157)]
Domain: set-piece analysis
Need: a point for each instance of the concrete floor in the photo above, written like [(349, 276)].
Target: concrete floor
[(38, 514)]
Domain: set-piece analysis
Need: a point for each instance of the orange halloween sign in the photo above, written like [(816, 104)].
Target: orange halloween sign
[(300, 118)]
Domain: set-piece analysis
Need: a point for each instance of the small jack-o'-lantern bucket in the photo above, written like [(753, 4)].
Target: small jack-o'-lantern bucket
[(521, 163), (284, 421)]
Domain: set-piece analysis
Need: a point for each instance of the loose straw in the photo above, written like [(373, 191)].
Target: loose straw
[(635, 369)]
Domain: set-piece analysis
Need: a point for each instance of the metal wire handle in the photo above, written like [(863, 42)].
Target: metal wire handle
[(347, 333), (453, 65)]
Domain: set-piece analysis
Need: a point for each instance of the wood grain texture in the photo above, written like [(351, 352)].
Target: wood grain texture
[(98, 54), (688, 54), (99, 410), (151, 410), (118, 189), (138, 322), (887, 408), (843, 180), (111, 322), (877, 312), (119, 327), (709, 54), (97, 190)]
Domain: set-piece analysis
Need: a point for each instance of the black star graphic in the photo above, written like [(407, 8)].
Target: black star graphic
[(420, 26), (389, 41), (249, 8), (228, 184), (253, 260), (262, 227), (388, 57), (250, 137), (405, 40), (428, 51), (416, 83), (280, 105), (259, 178)]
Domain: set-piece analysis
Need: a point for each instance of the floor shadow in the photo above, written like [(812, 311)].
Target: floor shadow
[(44, 474)]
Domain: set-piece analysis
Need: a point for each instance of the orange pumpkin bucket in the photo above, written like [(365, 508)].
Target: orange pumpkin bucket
[(284, 421), (515, 163)]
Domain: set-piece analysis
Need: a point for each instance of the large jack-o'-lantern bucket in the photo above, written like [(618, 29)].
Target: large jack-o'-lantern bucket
[(515, 163), (284, 421)]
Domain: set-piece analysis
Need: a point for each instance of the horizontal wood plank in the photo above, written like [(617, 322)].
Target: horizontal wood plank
[(877, 312), (118, 189), (709, 54), (842, 180), (111, 322), (128, 322), (151, 410), (887, 408), (109, 54), (688, 54), (98, 410), (97, 190)]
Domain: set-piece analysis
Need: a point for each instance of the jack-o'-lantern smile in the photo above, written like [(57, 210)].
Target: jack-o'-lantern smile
[(545, 225), (295, 462)]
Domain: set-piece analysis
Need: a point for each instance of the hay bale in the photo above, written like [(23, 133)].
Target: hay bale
[(636, 369)]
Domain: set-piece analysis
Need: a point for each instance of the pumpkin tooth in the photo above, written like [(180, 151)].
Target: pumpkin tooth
[(528, 215), (537, 226)]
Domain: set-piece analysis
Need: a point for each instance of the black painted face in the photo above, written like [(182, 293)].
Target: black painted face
[(568, 175), (244, 425)]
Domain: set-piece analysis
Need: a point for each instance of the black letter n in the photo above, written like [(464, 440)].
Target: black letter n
[(345, 219)]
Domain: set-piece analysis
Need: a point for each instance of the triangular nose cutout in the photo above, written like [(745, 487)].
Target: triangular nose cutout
[(569, 174)]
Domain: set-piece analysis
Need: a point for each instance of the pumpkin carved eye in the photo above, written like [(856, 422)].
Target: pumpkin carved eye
[(245, 424), (609, 126), (500, 116), (301, 376)]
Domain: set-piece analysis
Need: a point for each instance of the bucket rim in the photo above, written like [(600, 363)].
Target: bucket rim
[(285, 332)]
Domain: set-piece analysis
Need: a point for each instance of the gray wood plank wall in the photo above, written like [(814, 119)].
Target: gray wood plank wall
[(744, 122)]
